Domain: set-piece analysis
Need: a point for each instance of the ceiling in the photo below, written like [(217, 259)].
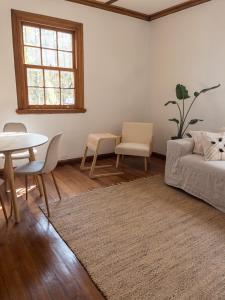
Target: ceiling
[(146, 6), (147, 10)]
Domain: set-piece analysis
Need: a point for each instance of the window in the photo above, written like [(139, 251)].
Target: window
[(48, 64)]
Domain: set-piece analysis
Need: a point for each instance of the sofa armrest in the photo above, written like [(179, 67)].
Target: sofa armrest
[(176, 149), (180, 147)]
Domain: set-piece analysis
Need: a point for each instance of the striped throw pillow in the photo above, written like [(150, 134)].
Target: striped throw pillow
[(214, 146)]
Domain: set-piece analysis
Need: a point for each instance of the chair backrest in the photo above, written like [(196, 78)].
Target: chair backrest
[(14, 127), (137, 132), (52, 155)]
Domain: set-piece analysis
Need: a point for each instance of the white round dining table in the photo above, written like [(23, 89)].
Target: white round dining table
[(17, 141)]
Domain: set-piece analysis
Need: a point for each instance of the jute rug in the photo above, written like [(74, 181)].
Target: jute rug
[(144, 240)]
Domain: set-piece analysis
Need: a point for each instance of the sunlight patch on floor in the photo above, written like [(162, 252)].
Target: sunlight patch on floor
[(22, 191)]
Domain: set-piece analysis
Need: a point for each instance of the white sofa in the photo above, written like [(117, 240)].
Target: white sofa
[(191, 173)]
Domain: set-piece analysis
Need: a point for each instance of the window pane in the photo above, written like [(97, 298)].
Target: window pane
[(52, 96), (32, 56), (49, 58), (31, 36), (65, 59), (51, 78), (67, 97), (65, 41), (67, 79), (48, 38), (36, 96), (35, 77)]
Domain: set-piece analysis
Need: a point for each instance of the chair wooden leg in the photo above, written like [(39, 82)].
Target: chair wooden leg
[(7, 188), (3, 206), (93, 164), (56, 185), (26, 186), (146, 164), (11, 209), (84, 158), (45, 194), (35, 179), (117, 160), (38, 181)]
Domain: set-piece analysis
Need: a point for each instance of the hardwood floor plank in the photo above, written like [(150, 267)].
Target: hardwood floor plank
[(35, 263)]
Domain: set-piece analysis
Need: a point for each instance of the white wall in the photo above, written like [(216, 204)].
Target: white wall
[(189, 48), (131, 70), (116, 58)]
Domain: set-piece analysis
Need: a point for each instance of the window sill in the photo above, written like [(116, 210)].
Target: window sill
[(51, 111)]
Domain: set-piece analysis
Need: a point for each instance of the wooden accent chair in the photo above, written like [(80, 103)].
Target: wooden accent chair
[(136, 140), (94, 141), (1, 199), (40, 168)]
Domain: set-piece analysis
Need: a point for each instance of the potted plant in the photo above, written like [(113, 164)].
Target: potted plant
[(182, 122)]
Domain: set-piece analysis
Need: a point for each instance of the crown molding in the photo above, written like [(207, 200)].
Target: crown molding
[(112, 8), (176, 8), (109, 6)]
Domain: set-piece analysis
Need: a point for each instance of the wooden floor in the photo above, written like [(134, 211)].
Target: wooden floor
[(34, 262)]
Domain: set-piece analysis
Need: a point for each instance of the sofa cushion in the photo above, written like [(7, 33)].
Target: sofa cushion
[(198, 163), (135, 149)]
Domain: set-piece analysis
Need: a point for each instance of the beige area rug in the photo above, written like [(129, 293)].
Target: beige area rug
[(144, 240)]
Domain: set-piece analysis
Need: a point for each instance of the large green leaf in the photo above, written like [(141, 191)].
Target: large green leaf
[(181, 92), (196, 94), (174, 120), (170, 102), (208, 89), (194, 121)]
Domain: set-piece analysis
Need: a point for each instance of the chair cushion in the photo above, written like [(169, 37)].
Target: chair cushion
[(135, 149), (33, 167)]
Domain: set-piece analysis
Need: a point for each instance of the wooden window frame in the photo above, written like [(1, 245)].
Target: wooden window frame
[(19, 18)]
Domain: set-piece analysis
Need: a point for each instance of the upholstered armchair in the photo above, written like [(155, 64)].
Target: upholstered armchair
[(136, 140)]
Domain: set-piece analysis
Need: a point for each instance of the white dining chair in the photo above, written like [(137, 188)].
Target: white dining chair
[(136, 140), (40, 168), (18, 127), (2, 201)]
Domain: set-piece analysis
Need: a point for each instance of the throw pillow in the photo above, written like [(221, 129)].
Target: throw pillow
[(214, 146), (198, 141)]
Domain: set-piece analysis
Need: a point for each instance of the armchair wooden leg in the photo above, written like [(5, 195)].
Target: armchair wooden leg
[(3, 206), (117, 160), (56, 186), (45, 194), (26, 186), (146, 164)]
